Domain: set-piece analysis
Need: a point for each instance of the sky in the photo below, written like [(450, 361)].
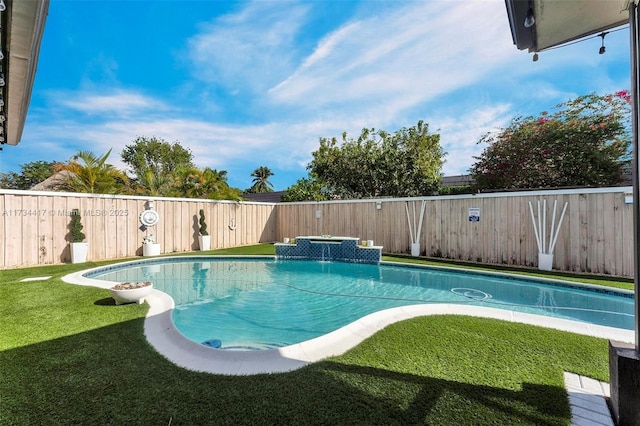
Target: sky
[(245, 84)]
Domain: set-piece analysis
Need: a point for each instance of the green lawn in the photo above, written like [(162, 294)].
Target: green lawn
[(68, 355)]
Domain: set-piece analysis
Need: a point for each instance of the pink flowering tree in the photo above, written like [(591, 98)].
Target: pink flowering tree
[(585, 142)]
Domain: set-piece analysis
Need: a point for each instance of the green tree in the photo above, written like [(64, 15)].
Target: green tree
[(307, 189), (90, 173), (9, 180), (411, 163), (406, 163), (260, 180), (151, 184), (194, 183), (585, 142), (163, 159), (155, 165), (206, 183), (30, 174)]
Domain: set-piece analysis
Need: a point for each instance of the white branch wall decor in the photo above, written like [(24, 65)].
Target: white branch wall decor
[(545, 252)]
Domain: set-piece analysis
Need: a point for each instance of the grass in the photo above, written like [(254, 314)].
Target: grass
[(68, 355)]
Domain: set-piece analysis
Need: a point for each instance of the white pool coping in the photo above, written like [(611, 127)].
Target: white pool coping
[(162, 334)]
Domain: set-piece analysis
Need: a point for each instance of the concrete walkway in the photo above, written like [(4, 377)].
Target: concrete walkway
[(587, 401)]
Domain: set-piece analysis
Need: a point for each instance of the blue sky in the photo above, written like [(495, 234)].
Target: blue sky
[(257, 83)]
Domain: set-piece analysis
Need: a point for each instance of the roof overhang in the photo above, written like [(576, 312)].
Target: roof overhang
[(561, 21), (21, 33)]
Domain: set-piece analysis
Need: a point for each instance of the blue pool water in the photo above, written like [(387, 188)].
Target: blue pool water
[(267, 303)]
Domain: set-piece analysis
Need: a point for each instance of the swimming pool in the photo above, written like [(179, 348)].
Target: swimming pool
[(265, 303)]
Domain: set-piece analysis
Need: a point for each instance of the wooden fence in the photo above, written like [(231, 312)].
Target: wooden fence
[(34, 225), (596, 234)]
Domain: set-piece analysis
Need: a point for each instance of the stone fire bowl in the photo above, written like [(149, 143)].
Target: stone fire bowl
[(135, 294)]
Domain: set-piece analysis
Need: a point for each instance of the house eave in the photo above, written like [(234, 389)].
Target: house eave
[(23, 27)]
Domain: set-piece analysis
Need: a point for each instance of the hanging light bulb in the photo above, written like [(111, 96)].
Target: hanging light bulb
[(1, 79), (1, 101), (602, 48), (535, 57), (1, 55), (3, 7), (529, 20)]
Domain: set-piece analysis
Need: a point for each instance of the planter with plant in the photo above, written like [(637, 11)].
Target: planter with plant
[(204, 239), (149, 246), (131, 292), (79, 248)]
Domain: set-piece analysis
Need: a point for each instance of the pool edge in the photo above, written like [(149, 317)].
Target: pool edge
[(162, 334)]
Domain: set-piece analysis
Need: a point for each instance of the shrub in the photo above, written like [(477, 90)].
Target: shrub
[(75, 227), (203, 224)]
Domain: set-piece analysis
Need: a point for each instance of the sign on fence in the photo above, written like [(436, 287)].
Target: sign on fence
[(474, 214)]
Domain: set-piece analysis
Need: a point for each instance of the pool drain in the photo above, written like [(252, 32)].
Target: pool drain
[(471, 293)]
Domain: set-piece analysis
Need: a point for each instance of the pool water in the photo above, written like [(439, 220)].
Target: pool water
[(249, 304)]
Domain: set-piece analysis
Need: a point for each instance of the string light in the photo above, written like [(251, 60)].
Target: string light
[(529, 20), (602, 48)]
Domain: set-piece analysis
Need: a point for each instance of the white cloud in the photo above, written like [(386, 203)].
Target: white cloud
[(119, 103), (407, 57), (249, 49), (213, 145), (459, 134)]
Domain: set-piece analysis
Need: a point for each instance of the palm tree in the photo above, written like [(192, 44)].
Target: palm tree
[(151, 183), (261, 180), (193, 182), (206, 183), (91, 174)]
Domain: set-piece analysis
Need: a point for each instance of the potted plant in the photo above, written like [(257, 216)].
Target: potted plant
[(79, 248), (149, 246), (204, 239), (131, 292)]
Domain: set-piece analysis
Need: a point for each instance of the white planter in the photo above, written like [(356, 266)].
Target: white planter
[(151, 249), (79, 252), (415, 249), (204, 242), (134, 295), (545, 261)]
